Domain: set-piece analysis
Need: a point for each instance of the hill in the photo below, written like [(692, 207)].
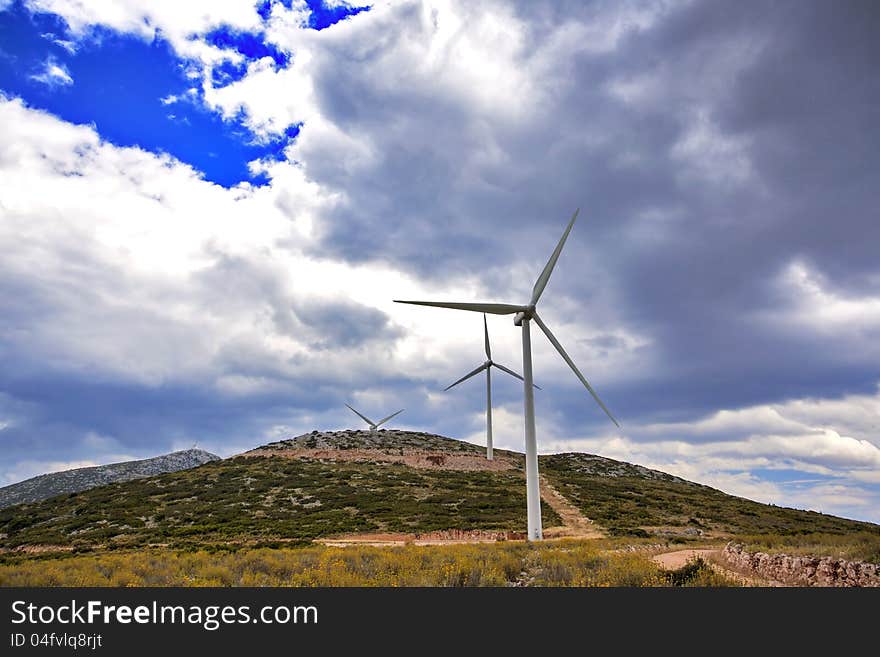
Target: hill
[(327, 484), (79, 479)]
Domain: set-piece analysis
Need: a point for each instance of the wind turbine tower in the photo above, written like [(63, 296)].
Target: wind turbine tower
[(523, 316), (487, 365)]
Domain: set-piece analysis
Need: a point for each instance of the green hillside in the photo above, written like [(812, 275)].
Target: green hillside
[(632, 500), (327, 484), (271, 499)]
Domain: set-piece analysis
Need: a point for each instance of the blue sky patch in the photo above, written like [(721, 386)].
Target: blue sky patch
[(322, 15), (264, 9), (251, 46), (135, 93)]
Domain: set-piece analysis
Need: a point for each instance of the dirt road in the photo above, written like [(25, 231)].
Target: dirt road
[(713, 556), (679, 558), (575, 523)]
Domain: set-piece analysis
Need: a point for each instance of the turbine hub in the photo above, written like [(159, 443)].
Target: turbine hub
[(523, 314)]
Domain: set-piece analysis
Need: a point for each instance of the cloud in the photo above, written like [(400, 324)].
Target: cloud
[(176, 22), (199, 300), (719, 289), (54, 74)]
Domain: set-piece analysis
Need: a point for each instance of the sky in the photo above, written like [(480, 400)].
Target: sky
[(207, 208)]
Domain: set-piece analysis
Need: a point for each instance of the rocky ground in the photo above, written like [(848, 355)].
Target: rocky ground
[(803, 570)]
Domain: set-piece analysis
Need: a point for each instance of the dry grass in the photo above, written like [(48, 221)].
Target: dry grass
[(565, 563)]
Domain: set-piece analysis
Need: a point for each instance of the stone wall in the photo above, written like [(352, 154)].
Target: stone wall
[(803, 571)]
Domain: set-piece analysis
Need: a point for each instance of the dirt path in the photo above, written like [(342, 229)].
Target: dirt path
[(444, 537), (679, 558), (574, 523), (714, 557)]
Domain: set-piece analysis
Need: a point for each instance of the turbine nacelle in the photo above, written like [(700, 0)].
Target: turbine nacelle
[(526, 313)]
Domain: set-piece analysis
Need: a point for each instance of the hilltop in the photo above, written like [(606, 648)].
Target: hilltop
[(329, 484), (383, 440), (79, 479)]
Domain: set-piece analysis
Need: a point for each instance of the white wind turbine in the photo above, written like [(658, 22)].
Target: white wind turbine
[(522, 317), (374, 425), (488, 365)]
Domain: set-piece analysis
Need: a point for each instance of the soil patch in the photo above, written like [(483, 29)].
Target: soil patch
[(414, 458)]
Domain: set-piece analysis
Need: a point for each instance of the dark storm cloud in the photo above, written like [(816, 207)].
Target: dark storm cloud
[(345, 324), (804, 103), (791, 85)]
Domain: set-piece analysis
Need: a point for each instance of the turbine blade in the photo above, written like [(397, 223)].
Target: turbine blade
[(384, 420), (491, 308), (571, 364), (363, 417), (467, 376), (512, 373), (541, 283), (486, 329)]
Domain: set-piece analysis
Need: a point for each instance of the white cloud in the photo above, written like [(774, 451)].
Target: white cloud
[(175, 21), (54, 74), (815, 304)]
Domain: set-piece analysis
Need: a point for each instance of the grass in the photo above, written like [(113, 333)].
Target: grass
[(248, 500), (565, 563)]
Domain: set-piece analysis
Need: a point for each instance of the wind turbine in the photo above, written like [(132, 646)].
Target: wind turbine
[(374, 425), (488, 367), (522, 317)]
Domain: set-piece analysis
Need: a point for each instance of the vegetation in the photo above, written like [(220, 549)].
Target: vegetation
[(854, 546), (250, 521), (567, 563), (631, 503), (261, 500)]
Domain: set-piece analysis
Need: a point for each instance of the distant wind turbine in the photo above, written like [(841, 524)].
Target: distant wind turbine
[(488, 367), (374, 425), (522, 317)]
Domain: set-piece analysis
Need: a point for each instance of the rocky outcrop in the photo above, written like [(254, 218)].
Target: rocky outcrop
[(802, 570), (80, 479)]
